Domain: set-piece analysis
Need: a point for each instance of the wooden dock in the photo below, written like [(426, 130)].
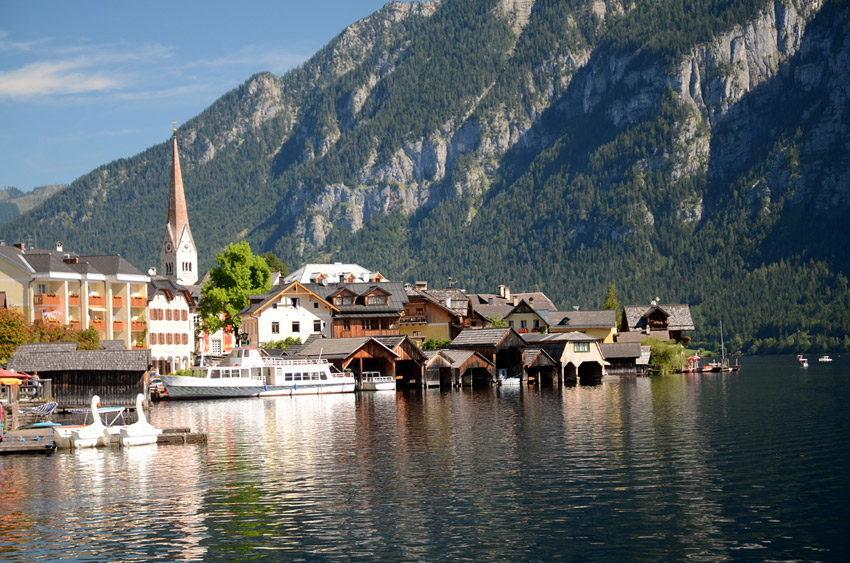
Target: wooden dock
[(40, 440)]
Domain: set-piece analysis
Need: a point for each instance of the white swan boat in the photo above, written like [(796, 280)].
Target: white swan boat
[(92, 435), (248, 372), (109, 415), (141, 431)]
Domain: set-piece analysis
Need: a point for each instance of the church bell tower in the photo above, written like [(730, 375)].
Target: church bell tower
[(179, 255)]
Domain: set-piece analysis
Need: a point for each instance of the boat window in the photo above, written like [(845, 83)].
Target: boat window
[(288, 377), (324, 375)]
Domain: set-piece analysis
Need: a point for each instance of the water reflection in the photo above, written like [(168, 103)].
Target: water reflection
[(704, 467)]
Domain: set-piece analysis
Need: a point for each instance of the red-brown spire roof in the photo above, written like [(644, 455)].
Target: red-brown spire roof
[(178, 217)]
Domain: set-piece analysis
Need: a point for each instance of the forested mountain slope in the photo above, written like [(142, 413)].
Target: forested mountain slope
[(695, 151)]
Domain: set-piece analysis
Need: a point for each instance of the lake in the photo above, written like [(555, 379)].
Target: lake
[(751, 465)]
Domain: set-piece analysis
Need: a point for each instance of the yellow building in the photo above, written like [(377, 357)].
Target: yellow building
[(425, 317), (55, 287)]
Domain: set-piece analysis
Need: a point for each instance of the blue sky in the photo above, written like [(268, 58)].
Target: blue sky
[(85, 83)]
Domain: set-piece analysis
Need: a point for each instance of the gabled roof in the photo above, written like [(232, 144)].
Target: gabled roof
[(456, 357), (483, 337), (331, 273), (604, 318), (620, 350), (337, 348), (259, 302), (536, 337), (419, 294), (537, 356), (170, 288), (395, 291), (678, 316), (451, 298), (53, 357), (112, 264)]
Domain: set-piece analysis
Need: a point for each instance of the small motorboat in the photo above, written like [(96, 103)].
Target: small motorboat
[(804, 363), (94, 434), (824, 359), (141, 431)]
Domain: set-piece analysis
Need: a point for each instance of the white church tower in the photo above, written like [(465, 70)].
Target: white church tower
[(179, 254)]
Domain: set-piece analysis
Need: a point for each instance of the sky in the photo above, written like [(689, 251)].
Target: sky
[(85, 83)]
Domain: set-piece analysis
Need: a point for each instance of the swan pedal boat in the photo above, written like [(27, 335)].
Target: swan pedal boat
[(140, 432)]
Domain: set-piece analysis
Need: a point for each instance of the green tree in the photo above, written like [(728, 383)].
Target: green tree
[(13, 332), (434, 344), (280, 344), (611, 302), (665, 357), (239, 274), (88, 339), (495, 321), (275, 264)]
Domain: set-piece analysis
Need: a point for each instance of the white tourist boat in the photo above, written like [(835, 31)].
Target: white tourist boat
[(374, 381), (248, 372)]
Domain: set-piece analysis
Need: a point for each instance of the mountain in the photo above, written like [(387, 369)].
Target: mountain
[(691, 150), (13, 201)]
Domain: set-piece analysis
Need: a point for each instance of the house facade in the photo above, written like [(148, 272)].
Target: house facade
[(290, 311), (666, 322), (171, 336), (601, 324), (363, 309), (426, 317), (55, 287)]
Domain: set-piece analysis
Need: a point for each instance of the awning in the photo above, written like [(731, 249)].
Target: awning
[(10, 381)]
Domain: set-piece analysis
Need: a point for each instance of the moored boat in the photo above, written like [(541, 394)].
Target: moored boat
[(804, 363), (140, 432), (248, 372), (374, 381), (824, 359)]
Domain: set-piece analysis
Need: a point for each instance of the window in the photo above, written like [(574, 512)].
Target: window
[(275, 327), (168, 314), (168, 339), (215, 346), (417, 333), (296, 326), (536, 323), (185, 338), (344, 300), (511, 324), (376, 300), (317, 326), (523, 323), (274, 305), (184, 315), (346, 325), (169, 268), (294, 301), (581, 346), (42, 288), (315, 304)]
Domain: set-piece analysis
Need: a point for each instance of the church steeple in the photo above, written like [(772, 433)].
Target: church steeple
[(179, 255)]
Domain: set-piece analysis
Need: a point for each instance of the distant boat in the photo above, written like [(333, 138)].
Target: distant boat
[(804, 363), (824, 359)]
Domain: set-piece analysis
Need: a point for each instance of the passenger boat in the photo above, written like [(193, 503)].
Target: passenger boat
[(374, 381), (249, 372)]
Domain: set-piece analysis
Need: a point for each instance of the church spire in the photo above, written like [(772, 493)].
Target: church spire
[(179, 255)]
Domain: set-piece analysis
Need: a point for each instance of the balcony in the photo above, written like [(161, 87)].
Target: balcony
[(413, 320), (97, 324), (97, 301), (139, 346), (117, 301), (117, 326), (46, 299), (138, 326), (75, 325), (138, 302), (73, 300)]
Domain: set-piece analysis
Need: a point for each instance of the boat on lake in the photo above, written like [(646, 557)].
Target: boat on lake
[(804, 362), (824, 359), (249, 372), (374, 381)]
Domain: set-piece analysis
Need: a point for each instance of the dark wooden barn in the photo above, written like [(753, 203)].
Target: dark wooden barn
[(116, 376)]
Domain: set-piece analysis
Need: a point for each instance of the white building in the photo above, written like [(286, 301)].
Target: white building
[(288, 311), (333, 273), (171, 336)]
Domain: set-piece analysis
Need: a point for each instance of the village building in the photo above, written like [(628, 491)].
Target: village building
[(484, 307), (335, 273), (115, 375), (456, 368), (290, 311), (171, 336), (356, 355), (57, 287), (665, 322), (503, 347), (363, 309), (625, 358), (428, 318), (579, 355), (601, 324)]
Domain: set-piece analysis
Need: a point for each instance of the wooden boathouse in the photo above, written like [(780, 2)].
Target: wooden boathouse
[(115, 375), (455, 368)]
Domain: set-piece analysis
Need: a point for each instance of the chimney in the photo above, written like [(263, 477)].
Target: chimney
[(489, 300), (152, 271), (59, 246), (531, 302), (507, 294), (19, 246), (502, 291)]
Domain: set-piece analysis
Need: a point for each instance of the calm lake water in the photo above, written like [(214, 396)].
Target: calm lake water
[(746, 466)]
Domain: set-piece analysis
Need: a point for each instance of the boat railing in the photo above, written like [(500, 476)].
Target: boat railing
[(294, 362), (376, 377)]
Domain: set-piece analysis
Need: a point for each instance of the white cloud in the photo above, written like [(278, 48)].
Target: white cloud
[(48, 78)]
